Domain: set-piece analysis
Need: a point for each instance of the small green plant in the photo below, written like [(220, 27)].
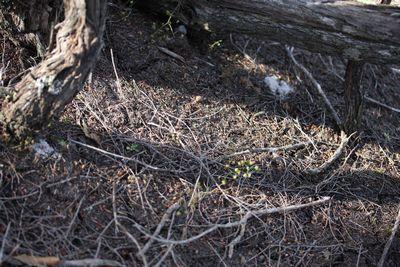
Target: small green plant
[(133, 148), (387, 137), (162, 31), (62, 142), (245, 168), (241, 169)]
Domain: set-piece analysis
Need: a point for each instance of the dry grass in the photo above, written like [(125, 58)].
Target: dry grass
[(168, 164)]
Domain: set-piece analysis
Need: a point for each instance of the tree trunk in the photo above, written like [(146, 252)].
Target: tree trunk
[(354, 96), (346, 28), (45, 90)]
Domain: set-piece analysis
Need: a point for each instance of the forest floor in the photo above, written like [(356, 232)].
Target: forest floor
[(164, 160)]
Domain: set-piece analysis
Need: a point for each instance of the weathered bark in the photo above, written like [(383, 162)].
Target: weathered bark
[(354, 96), (43, 93), (346, 28)]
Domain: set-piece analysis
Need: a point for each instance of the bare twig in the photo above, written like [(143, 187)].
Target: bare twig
[(171, 54), (3, 244), (74, 218), (265, 149), (381, 104), (359, 256), (130, 236), (316, 85), (89, 262), (170, 247), (390, 241), (150, 167), (160, 226), (115, 72), (237, 239), (339, 151), (114, 208), (245, 218)]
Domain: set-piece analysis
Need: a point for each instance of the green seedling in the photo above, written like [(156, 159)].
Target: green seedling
[(133, 148)]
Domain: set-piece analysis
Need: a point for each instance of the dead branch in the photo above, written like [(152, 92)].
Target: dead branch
[(160, 226), (317, 86), (3, 243), (265, 149), (339, 151), (369, 99), (348, 29), (244, 220), (171, 54), (150, 167), (90, 262)]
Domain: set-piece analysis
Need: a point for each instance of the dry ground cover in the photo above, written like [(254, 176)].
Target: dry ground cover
[(164, 161)]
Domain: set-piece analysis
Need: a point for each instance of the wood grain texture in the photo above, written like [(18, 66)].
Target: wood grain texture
[(349, 29)]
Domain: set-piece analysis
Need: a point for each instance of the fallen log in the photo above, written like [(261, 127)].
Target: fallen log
[(357, 30), (349, 29)]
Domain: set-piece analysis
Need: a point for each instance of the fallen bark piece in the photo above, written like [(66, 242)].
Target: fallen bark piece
[(38, 261)]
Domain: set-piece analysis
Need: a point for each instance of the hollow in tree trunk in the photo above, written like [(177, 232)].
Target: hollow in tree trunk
[(45, 90)]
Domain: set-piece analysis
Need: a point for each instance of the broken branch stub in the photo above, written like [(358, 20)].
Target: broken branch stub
[(48, 87), (354, 96)]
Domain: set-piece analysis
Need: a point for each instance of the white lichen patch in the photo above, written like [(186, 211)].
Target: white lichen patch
[(233, 18), (43, 150), (329, 21), (278, 88), (40, 84), (54, 87), (349, 29), (385, 53)]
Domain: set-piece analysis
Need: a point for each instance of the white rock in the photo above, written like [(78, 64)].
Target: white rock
[(397, 71), (182, 29), (44, 150), (278, 88)]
